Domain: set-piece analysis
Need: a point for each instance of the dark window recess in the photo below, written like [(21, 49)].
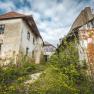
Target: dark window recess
[(27, 50), (92, 22), (0, 47), (28, 35), (2, 27), (33, 41)]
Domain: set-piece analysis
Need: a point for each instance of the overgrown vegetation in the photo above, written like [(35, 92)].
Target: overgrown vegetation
[(13, 76), (61, 75), (64, 75)]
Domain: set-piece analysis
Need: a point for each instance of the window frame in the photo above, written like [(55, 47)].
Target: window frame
[(2, 28), (28, 35), (33, 40)]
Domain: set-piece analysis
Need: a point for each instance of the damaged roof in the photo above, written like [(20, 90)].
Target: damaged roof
[(27, 18), (85, 16)]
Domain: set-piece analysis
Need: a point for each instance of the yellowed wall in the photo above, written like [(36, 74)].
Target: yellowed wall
[(10, 38)]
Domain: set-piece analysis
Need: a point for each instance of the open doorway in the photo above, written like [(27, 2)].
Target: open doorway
[(46, 58)]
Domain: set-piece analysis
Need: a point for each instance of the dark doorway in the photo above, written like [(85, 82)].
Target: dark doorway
[(46, 58)]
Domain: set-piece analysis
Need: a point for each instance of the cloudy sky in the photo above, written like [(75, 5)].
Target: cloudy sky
[(53, 17)]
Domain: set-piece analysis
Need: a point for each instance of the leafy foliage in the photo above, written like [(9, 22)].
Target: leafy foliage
[(61, 75), (13, 76), (64, 75)]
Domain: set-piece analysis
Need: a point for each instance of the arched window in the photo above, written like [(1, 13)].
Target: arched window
[(28, 35), (33, 40)]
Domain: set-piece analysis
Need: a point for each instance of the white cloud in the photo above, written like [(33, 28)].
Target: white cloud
[(53, 17), (7, 6)]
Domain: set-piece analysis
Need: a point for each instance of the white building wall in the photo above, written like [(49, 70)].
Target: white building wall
[(25, 42), (10, 38), (38, 50), (14, 40), (35, 49)]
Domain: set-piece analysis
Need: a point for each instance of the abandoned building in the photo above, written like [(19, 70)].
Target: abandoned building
[(19, 34), (83, 30), (49, 50)]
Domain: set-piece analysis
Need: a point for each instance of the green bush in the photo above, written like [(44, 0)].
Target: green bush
[(54, 81), (14, 75), (63, 74)]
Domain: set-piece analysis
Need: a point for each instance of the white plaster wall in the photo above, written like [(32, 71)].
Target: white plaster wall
[(35, 47), (25, 42), (38, 50), (11, 37), (15, 39)]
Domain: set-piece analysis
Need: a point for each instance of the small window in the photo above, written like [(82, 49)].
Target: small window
[(33, 41), (0, 47), (27, 50), (2, 27), (28, 35)]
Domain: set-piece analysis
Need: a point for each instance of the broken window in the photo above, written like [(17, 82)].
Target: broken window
[(2, 27)]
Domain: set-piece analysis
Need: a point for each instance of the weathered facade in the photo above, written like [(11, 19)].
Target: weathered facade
[(49, 49), (19, 34), (86, 48), (83, 30)]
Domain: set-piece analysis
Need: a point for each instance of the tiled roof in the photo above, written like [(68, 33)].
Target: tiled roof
[(11, 15), (27, 18)]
